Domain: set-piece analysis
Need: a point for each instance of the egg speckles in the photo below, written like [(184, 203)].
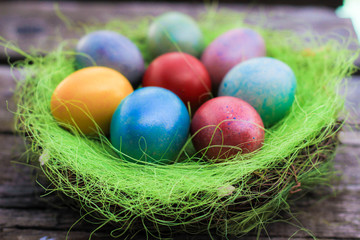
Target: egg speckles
[(224, 126), (266, 83), (229, 49), (182, 74), (151, 125)]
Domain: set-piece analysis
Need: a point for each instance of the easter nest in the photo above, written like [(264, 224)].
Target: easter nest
[(234, 196)]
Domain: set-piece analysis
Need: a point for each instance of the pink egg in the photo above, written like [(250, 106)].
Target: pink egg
[(224, 126), (228, 50)]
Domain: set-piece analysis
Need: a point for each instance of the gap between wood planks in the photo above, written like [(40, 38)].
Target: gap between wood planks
[(40, 27), (22, 210), (24, 214)]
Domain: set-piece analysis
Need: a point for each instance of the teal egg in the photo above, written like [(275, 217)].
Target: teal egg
[(175, 31), (266, 83)]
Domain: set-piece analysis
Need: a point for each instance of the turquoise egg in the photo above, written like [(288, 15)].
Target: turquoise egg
[(266, 83), (175, 31), (151, 125)]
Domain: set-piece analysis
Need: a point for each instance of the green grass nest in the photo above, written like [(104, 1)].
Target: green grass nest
[(232, 197)]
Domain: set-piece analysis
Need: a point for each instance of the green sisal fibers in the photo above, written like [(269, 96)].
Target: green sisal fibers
[(191, 194)]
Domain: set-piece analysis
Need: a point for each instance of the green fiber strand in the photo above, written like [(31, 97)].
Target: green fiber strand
[(235, 196)]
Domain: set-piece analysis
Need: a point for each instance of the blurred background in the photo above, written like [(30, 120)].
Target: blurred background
[(329, 3)]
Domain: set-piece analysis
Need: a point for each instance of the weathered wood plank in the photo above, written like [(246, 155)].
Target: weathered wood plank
[(26, 215), (330, 213), (325, 218), (39, 26), (12, 148), (11, 234), (18, 187), (35, 234), (28, 218), (350, 137), (7, 85), (347, 165), (352, 102), (326, 214)]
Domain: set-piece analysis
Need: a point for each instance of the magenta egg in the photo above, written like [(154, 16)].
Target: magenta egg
[(225, 126), (228, 50)]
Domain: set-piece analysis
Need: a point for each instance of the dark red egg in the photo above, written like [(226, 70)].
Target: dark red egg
[(223, 126), (182, 74)]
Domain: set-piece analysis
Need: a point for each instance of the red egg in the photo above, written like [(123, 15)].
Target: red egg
[(223, 126), (182, 74)]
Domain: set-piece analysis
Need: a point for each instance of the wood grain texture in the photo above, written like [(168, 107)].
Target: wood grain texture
[(326, 213), (352, 102), (7, 106), (38, 26), (29, 234), (26, 214)]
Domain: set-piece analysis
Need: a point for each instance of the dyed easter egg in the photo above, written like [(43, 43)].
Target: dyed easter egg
[(151, 124), (266, 83), (87, 98), (113, 50), (228, 50), (182, 74), (175, 31), (225, 126)]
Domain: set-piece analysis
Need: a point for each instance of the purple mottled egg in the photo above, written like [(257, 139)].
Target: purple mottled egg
[(113, 50), (228, 50)]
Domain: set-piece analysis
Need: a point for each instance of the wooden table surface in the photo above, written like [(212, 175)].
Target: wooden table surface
[(327, 213)]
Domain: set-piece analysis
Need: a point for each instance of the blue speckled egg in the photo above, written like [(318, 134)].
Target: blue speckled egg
[(113, 50), (151, 124), (174, 31), (266, 83)]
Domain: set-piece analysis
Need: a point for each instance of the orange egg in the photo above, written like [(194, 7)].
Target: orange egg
[(87, 98)]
